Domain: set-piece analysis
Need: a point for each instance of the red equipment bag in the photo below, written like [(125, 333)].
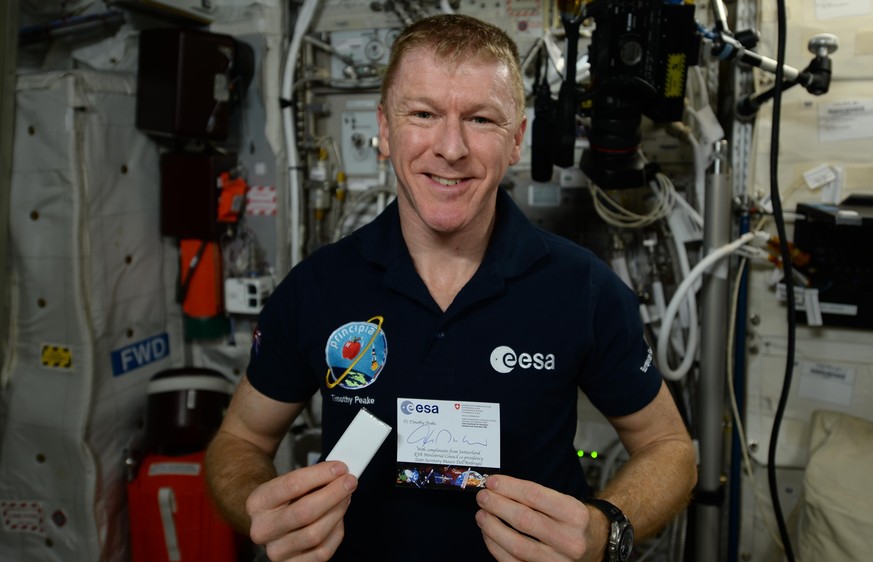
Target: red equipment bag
[(172, 518)]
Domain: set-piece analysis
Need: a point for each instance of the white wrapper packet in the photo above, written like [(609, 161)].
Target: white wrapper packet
[(360, 441)]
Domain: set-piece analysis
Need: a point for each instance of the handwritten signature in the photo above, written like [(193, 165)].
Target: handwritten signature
[(427, 434)]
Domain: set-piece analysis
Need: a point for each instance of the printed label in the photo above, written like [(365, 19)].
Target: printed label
[(140, 354)]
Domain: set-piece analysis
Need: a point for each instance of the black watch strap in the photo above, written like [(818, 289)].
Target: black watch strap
[(612, 513), (618, 525)]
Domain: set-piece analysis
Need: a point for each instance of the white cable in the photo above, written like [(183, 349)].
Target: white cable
[(735, 410), (358, 205), (699, 171), (294, 190), (701, 90), (329, 143), (667, 197), (691, 211), (556, 54), (689, 311), (699, 152), (618, 264), (614, 214), (682, 233), (660, 303), (532, 55), (682, 292)]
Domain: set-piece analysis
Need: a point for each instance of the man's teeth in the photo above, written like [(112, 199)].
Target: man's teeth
[(444, 181)]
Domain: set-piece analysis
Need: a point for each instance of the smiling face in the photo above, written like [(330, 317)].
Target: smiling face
[(451, 131)]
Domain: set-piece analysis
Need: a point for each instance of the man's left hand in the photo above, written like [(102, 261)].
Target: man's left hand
[(521, 520)]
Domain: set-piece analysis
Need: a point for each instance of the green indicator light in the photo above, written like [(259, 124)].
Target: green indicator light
[(580, 453), (593, 454)]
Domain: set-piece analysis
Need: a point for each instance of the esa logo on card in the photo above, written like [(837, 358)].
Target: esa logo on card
[(410, 408)]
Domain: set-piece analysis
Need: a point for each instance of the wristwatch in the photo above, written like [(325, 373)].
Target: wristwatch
[(621, 532)]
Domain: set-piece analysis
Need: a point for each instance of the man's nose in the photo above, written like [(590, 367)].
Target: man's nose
[(451, 141)]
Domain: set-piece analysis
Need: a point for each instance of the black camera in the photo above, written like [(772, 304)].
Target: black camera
[(639, 56)]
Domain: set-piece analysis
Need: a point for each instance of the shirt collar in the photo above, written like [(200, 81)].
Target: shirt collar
[(516, 245)]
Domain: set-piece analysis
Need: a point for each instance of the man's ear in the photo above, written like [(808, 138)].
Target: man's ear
[(384, 145), (517, 139)]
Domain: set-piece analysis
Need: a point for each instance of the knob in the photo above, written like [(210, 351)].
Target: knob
[(823, 44)]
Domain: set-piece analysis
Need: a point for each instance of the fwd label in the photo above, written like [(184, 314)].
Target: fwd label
[(139, 354)]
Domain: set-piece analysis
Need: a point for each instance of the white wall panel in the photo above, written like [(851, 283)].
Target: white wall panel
[(92, 276), (805, 143)]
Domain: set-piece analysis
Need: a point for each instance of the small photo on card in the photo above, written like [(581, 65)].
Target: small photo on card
[(427, 476)]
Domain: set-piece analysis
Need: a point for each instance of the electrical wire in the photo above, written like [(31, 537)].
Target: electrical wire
[(666, 198), (685, 290), (735, 410), (294, 188), (614, 214), (678, 537), (691, 211), (700, 159), (690, 310), (700, 165), (329, 144), (239, 250), (701, 90), (185, 282), (359, 205), (776, 201)]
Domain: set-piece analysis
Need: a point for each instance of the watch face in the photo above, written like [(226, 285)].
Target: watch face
[(626, 544)]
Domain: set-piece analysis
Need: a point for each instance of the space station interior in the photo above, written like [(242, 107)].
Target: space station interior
[(165, 163)]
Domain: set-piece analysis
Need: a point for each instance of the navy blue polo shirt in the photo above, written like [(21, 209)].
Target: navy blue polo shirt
[(541, 317)]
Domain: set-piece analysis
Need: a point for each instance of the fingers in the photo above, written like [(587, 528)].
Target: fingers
[(505, 543), (545, 500), (531, 522), (301, 511), (498, 552), (292, 485), (316, 543)]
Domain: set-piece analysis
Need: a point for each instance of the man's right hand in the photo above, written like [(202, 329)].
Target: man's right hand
[(299, 515)]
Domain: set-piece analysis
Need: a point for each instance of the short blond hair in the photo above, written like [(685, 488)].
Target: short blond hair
[(454, 38)]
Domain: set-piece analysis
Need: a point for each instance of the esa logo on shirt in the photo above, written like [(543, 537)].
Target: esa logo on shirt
[(504, 359)]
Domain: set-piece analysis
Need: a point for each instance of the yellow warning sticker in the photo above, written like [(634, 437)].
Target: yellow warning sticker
[(674, 81), (57, 357)]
